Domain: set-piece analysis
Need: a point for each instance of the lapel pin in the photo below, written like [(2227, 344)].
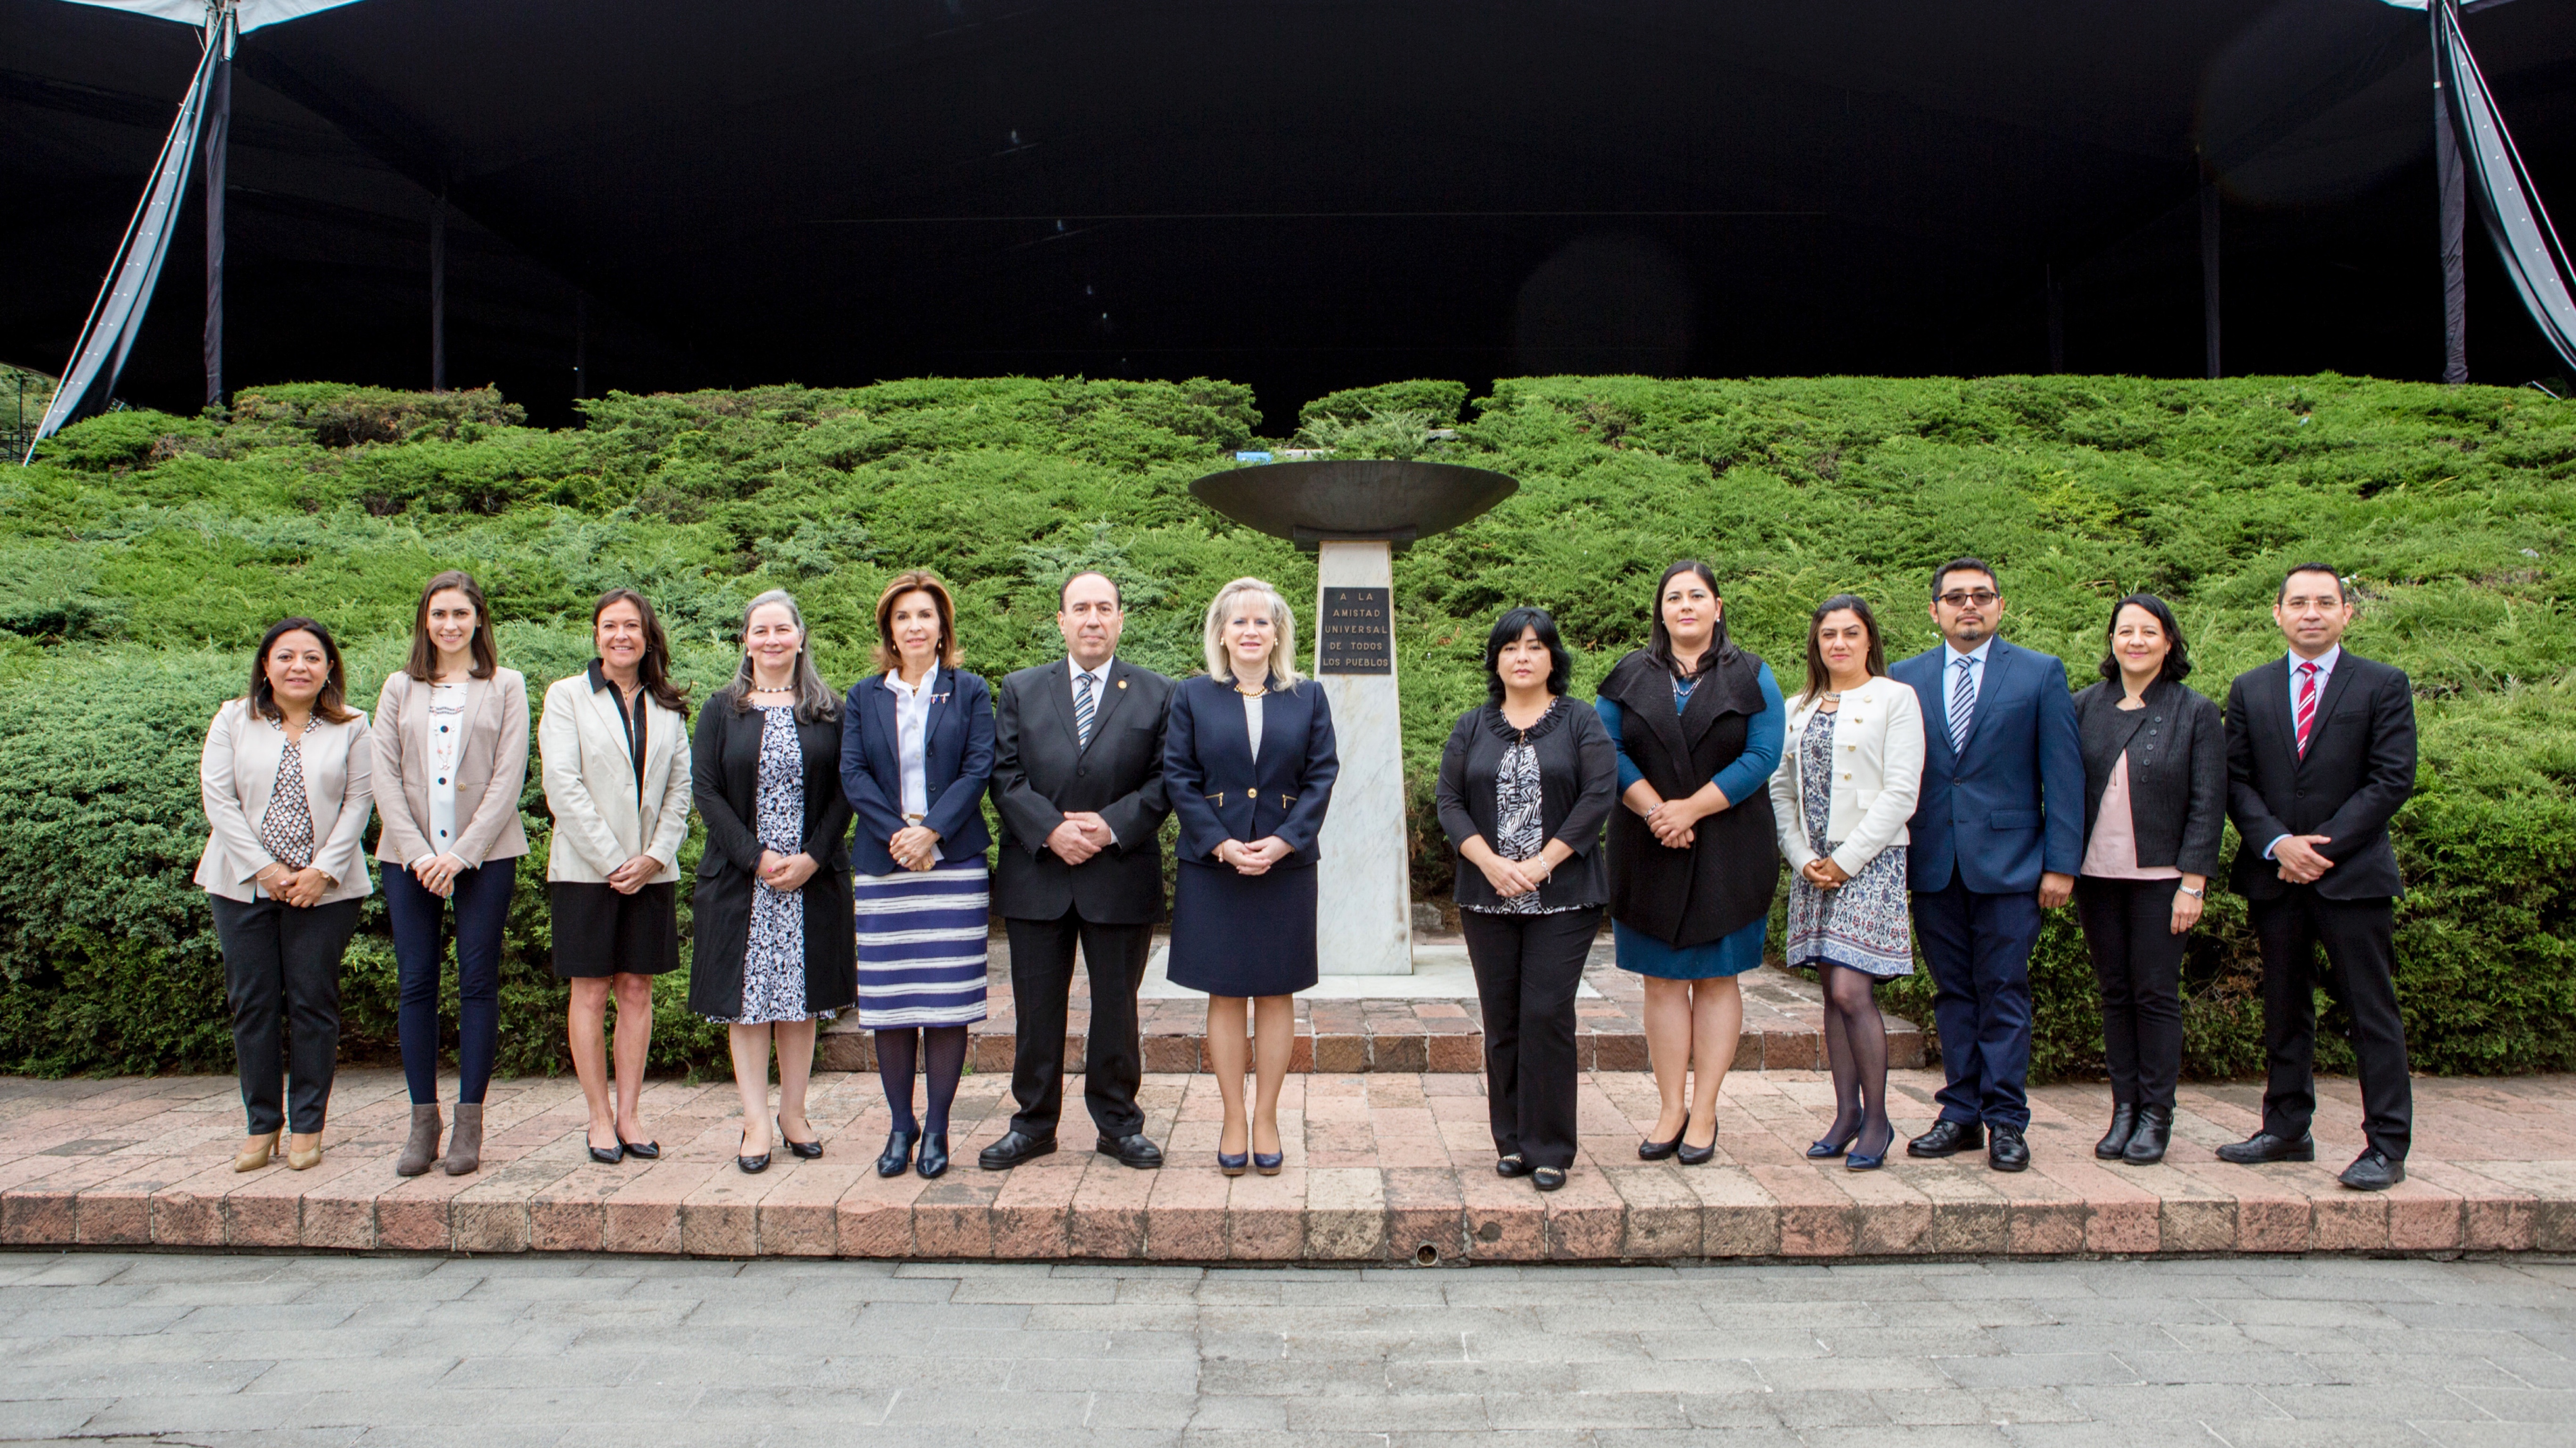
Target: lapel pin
[(1122, 683)]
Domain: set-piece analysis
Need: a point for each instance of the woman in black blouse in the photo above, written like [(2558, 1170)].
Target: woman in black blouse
[(1525, 784)]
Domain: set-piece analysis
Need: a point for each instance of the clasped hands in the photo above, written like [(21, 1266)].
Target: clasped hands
[(2299, 861), (1675, 822), (438, 873), (302, 889), (1079, 836), (1823, 873), (1252, 859), (787, 874), (914, 847)]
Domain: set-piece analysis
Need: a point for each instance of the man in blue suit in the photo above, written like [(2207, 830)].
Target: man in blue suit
[(1997, 834)]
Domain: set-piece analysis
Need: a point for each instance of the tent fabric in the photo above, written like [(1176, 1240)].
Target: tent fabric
[(2524, 240), (251, 14)]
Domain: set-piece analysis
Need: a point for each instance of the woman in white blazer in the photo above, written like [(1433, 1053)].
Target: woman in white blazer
[(1850, 768), (451, 755), (286, 793), (613, 745)]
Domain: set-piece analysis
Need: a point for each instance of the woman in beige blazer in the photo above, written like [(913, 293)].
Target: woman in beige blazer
[(1850, 768), (614, 746), (451, 755), (286, 793)]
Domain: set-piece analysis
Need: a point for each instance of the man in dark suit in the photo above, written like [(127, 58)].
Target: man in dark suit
[(1078, 781), (1997, 834), (2320, 753)]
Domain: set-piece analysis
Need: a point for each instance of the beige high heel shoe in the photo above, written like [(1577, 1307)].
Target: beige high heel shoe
[(303, 1158), (255, 1155)]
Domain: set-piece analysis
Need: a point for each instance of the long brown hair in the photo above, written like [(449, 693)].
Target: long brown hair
[(653, 671), (331, 704), (423, 663), (1819, 679), (1659, 644), (919, 580)]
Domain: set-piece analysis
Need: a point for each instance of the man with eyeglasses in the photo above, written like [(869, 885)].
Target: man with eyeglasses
[(1997, 835)]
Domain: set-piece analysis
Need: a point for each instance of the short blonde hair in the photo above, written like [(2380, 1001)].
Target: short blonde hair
[(1283, 647)]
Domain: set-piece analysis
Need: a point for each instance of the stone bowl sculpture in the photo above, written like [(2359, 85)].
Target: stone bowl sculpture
[(1318, 502)]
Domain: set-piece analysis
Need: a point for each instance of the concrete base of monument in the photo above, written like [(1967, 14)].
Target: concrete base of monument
[(1440, 972)]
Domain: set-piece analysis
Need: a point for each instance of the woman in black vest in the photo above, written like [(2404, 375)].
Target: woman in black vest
[(1693, 858)]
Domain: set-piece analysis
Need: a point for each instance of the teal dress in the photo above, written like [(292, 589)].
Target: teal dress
[(1751, 771)]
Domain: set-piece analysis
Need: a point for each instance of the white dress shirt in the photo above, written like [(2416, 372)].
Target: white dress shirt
[(1099, 685), (912, 736), (446, 746), (1976, 676), (2325, 663)]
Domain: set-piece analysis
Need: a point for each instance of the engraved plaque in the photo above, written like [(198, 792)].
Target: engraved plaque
[(1356, 634)]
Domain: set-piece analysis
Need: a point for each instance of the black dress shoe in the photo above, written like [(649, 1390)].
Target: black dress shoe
[(1511, 1166), (1689, 1155), (2005, 1149), (801, 1150), (896, 1159), (1134, 1149), (2124, 1124), (1658, 1150), (2155, 1132), (1547, 1178), (751, 1165), (647, 1150), (1947, 1138), (606, 1155), (2263, 1146), (934, 1154), (2373, 1171), (1014, 1148)]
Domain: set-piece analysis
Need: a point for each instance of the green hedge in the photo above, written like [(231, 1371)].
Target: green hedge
[(143, 553)]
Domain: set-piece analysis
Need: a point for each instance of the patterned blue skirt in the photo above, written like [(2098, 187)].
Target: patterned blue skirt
[(921, 946)]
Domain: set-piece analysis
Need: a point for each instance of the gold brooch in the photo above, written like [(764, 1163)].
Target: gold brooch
[(1122, 683)]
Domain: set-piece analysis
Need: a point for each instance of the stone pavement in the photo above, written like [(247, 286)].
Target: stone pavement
[(428, 1352), (1783, 1020), (1381, 1167)]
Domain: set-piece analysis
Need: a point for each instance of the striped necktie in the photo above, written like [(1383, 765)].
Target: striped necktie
[(2307, 704), (1082, 707), (1963, 704)]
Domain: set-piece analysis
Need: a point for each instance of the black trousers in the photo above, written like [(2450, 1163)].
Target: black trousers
[(1528, 968), (2137, 963), (282, 975), (1113, 1062), (2361, 972)]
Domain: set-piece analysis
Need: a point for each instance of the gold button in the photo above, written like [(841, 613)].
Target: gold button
[(1252, 794)]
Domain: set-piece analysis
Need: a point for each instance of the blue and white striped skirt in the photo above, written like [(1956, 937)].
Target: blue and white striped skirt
[(921, 946)]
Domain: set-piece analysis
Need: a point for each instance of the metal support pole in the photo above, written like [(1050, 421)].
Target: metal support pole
[(218, 132), (2056, 321), (580, 345), (2209, 273), (438, 294), (2451, 181)]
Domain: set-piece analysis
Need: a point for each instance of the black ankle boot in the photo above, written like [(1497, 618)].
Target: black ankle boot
[(2155, 1130), (2124, 1123)]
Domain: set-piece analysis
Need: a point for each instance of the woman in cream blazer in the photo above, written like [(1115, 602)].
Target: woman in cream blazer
[(1851, 765), (451, 755), (285, 788), (613, 745)]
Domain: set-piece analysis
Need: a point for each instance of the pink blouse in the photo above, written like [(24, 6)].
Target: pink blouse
[(2112, 853)]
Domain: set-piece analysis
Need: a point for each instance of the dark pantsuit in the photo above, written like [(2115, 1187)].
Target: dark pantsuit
[(2137, 962), (1978, 946), (282, 976), (1112, 1060), (1528, 968), (2361, 973), (482, 903)]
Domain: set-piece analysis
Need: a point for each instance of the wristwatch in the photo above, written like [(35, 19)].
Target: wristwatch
[(2195, 894)]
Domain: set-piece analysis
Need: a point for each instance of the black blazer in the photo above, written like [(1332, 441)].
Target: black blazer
[(2177, 749), (1578, 771), (2360, 766), (956, 764), (1041, 769), (724, 772), (1221, 792)]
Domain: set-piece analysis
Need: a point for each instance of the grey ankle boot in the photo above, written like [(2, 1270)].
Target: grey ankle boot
[(422, 1149), (465, 1143)]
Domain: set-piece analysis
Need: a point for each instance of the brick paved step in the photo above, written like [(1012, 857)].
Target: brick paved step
[(1382, 1167), (1783, 1023)]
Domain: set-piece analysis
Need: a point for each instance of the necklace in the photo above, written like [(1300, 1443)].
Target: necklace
[(1834, 696), (1250, 693)]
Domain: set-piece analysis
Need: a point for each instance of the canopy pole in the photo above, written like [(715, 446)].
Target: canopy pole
[(2449, 181), (222, 30), (2209, 272), (438, 294)]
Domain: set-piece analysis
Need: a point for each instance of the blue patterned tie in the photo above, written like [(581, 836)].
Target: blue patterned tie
[(1082, 710), (1963, 703)]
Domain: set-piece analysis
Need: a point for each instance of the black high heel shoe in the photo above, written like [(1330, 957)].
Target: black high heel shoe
[(1829, 1146), (801, 1150), (1689, 1155), (645, 1150), (750, 1165), (1651, 1150), (897, 1156), (1869, 1160), (2115, 1142), (605, 1155), (934, 1154)]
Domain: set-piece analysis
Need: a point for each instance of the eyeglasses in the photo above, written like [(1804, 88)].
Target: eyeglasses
[(1961, 598)]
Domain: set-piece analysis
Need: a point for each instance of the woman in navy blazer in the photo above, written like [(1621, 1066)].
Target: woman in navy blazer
[(916, 754), (1250, 770)]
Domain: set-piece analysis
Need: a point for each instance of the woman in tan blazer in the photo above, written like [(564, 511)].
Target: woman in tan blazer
[(286, 793), (614, 746), (451, 755)]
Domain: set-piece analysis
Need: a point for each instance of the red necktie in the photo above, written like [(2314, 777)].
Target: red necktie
[(2307, 704)]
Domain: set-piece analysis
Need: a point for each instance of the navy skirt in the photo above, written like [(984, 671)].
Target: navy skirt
[(1243, 935)]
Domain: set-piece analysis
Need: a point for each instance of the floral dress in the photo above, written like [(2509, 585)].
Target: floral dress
[(773, 964), (1862, 924)]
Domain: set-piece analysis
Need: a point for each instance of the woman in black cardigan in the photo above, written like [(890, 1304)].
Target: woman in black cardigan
[(1525, 784), (2155, 801), (776, 945)]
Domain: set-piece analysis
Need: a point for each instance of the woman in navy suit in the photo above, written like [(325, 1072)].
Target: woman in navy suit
[(916, 754), (1248, 758)]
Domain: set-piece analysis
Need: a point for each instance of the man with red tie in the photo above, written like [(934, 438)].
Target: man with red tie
[(2320, 754)]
